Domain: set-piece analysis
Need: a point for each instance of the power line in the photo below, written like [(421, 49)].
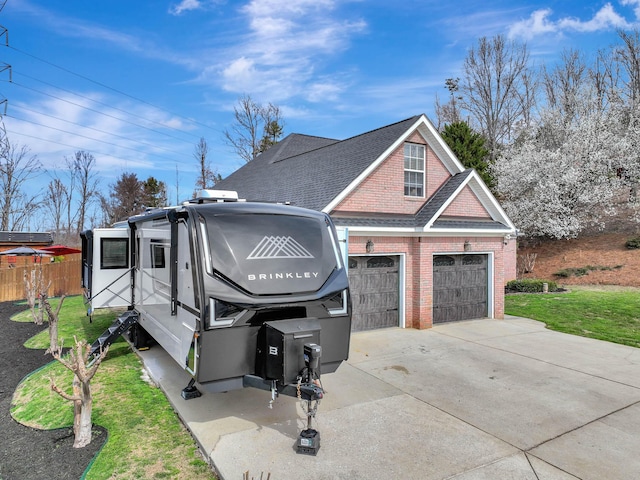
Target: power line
[(84, 136), (98, 112), (20, 107), (74, 147), (102, 103), (66, 70)]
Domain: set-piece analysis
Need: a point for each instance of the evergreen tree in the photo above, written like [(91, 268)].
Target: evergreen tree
[(469, 147), (155, 193)]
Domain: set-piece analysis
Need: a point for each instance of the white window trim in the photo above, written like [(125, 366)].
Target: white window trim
[(423, 171)]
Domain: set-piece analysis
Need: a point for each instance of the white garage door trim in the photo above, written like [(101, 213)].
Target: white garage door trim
[(401, 279)]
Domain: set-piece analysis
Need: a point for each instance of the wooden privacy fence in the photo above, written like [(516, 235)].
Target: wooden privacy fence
[(64, 277)]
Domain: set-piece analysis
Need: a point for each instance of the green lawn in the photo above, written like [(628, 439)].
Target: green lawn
[(605, 313), (146, 438)]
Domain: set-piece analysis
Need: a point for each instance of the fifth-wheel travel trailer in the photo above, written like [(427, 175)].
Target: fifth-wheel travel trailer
[(238, 293)]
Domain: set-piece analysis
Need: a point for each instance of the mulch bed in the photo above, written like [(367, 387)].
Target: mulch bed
[(27, 453)]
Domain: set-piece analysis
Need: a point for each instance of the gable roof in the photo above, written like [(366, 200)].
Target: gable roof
[(428, 217), (315, 173), (319, 173)]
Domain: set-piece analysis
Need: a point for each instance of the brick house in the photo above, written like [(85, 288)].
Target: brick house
[(427, 241)]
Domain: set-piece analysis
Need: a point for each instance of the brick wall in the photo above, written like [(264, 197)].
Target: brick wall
[(419, 252), (466, 204), (383, 190), (510, 260)]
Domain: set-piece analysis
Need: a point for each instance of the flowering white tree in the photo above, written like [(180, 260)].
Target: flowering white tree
[(567, 174)]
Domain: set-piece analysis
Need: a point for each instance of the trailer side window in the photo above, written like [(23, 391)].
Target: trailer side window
[(157, 255), (114, 253)]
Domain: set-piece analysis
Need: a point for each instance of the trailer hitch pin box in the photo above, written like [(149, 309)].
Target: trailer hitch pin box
[(281, 356)]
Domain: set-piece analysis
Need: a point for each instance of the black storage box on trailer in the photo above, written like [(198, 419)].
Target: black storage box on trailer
[(281, 348)]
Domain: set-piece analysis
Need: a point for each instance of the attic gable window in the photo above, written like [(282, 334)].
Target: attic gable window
[(414, 170)]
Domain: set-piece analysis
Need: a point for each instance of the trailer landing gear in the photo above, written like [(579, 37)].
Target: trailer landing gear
[(190, 391), (310, 391), (309, 441)]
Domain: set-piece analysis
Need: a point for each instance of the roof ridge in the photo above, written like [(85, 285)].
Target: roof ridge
[(415, 117), (313, 136), (281, 146)]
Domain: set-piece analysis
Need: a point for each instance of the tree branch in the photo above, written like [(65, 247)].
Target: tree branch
[(62, 393)]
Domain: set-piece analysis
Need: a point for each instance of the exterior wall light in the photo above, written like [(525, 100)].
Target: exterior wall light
[(369, 246)]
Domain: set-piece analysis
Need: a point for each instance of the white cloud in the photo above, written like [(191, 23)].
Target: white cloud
[(605, 19), (324, 90), (635, 4), (540, 22), (287, 44), (185, 6), (239, 74), (536, 24), (128, 137)]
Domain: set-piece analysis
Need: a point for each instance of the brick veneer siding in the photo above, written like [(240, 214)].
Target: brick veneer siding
[(510, 260), (383, 190), (418, 272), (466, 204)]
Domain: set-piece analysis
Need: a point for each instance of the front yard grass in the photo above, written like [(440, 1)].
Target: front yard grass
[(604, 313), (145, 437)]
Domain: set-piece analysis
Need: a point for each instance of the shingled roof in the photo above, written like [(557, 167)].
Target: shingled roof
[(317, 173), (311, 171), (426, 215), (25, 238)]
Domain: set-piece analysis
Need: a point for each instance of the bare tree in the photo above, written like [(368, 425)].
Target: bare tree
[(17, 167), (493, 88), (449, 113), (256, 127), (33, 285), (207, 178), (82, 168), (57, 199), (78, 363), (53, 321), (563, 84), (628, 57)]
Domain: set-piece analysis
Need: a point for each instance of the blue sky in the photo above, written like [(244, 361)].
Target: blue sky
[(137, 83)]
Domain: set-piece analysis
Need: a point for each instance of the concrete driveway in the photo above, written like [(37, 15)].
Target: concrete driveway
[(480, 399)]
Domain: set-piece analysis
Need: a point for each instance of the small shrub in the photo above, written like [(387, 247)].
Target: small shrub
[(570, 272), (582, 271), (530, 285), (633, 243)]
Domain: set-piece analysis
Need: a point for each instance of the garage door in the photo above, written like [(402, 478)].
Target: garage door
[(460, 286), (373, 282)]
